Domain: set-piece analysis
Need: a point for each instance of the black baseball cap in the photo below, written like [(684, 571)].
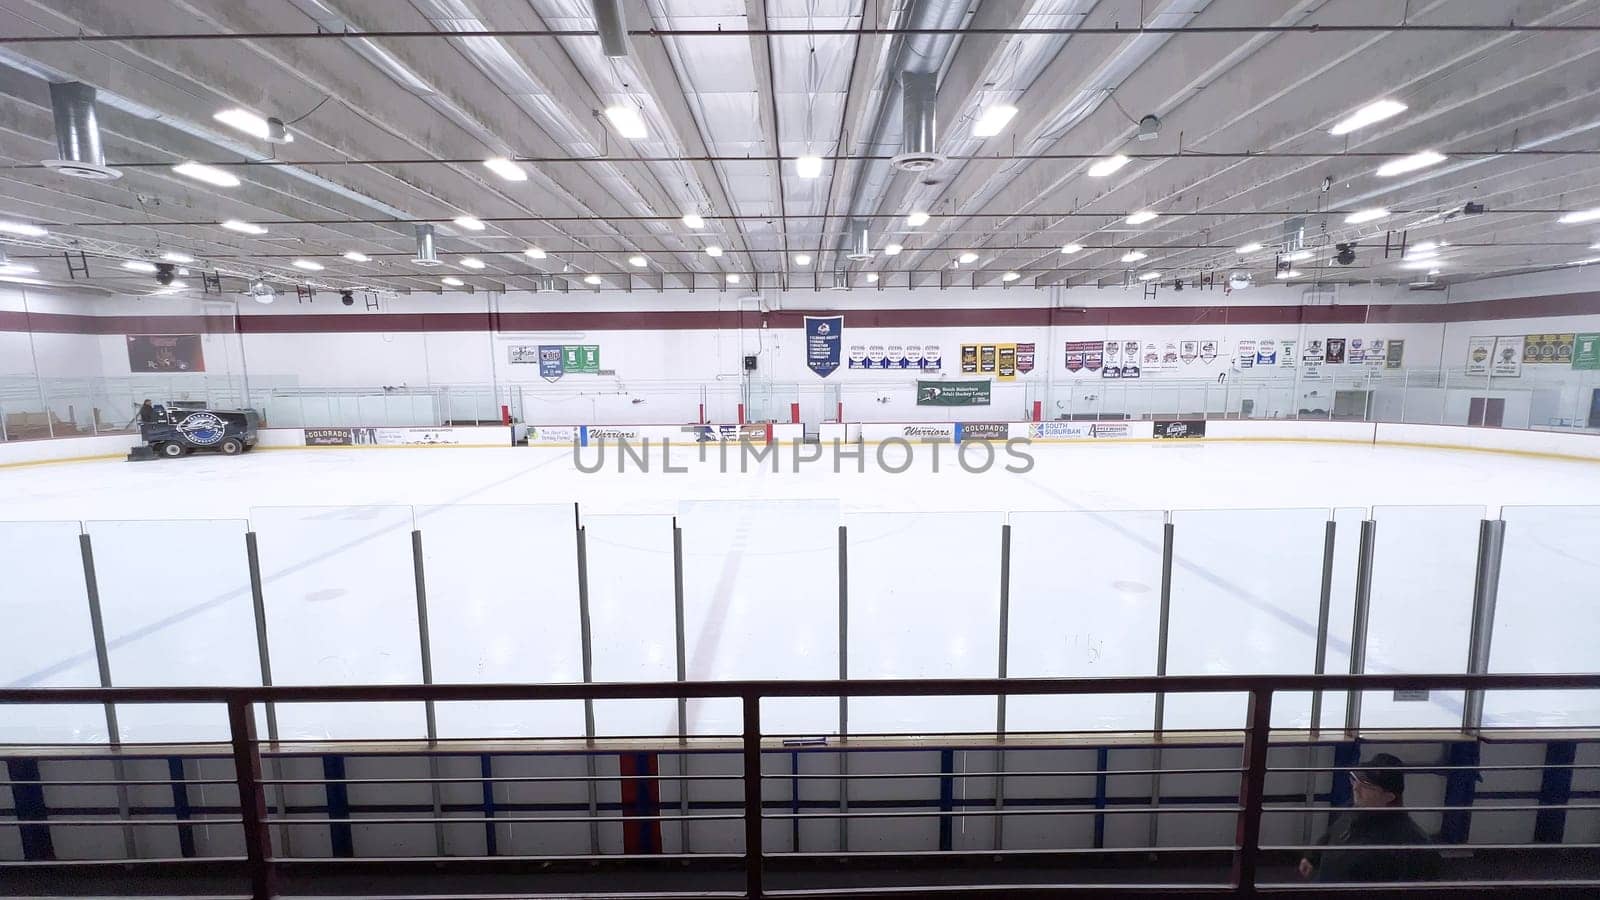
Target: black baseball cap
[(1384, 771)]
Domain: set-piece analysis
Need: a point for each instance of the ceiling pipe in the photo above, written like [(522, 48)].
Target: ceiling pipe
[(612, 24), (427, 254), (78, 150), (860, 238), (919, 133)]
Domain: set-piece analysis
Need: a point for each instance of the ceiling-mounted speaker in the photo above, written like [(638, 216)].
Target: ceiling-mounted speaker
[(612, 24), (78, 150), (860, 241), (427, 254), (919, 141), (841, 280)]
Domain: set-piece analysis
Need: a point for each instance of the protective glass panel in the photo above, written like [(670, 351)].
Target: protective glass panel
[(1425, 562), (49, 642), (1085, 603), (1341, 608), (632, 619), (340, 594), (502, 590), (1544, 618), (1246, 597), (761, 588), (924, 603), (176, 601)]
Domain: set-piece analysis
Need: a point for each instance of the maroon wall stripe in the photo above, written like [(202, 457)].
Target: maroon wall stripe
[(676, 320)]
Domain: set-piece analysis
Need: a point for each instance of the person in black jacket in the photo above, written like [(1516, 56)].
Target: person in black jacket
[(147, 412), (1379, 817)]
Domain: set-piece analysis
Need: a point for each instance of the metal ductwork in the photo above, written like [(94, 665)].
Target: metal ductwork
[(610, 21), (860, 241), (77, 133), (841, 279), (427, 254), (919, 134)]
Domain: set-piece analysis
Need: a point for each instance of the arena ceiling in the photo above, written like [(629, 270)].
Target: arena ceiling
[(394, 107)]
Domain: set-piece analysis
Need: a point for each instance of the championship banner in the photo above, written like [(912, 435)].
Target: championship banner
[(1025, 353), (858, 356), (1586, 351), (1547, 349), (1113, 357), (581, 359), (1479, 349), (824, 336), (1208, 351), (1080, 353), (969, 359), (953, 393), (986, 358), (1335, 351), (877, 356), (1395, 354), (1286, 354), (1007, 364), (1266, 353), (895, 356), (1314, 352), (1246, 357), (932, 358), (165, 353), (550, 362), (1507, 361)]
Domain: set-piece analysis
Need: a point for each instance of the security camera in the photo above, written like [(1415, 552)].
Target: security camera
[(165, 273), (1346, 254), (347, 298)]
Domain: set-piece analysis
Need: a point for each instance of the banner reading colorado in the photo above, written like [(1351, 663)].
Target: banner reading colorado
[(823, 343)]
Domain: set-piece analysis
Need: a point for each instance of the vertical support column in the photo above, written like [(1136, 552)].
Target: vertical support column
[(425, 648), (752, 798), (1325, 601), (102, 656), (844, 675), (683, 675), (1003, 670), (252, 554), (1165, 619), (1252, 788), (1358, 629), (586, 652), (252, 800), (1485, 593)]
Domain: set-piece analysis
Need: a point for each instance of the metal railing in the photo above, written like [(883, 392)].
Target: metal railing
[(1246, 850)]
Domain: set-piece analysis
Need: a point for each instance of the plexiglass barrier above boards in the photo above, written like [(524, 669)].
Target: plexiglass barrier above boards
[(1539, 397), (730, 590)]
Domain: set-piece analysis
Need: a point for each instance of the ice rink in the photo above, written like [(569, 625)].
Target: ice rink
[(761, 557)]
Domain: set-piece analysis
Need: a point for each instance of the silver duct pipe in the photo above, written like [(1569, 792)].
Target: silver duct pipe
[(860, 239), (841, 279), (613, 27), (427, 254), (78, 150), (919, 136)]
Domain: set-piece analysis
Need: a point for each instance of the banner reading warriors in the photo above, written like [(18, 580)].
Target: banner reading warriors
[(165, 353), (953, 393), (824, 336)]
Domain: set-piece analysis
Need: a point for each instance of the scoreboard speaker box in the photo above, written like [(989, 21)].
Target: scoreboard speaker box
[(749, 363)]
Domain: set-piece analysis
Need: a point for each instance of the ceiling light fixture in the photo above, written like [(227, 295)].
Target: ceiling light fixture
[(1368, 115), (208, 174), (357, 256), (872, 278), (271, 130), (1286, 274), (1247, 249), (1141, 217), (534, 253), (1424, 263), (627, 121), (892, 249), (1011, 276), (1366, 215), (592, 279), (1296, 255), (308, 265), (733, 278), (471, 262), (967, 258), (993, 120), (470, 223), (1070, 249), (22, 229), (139, 265), (1149, 276), (1410, 163), (243, 227), (713, 251), (17, 269), (1108, 166), (802, 259), (1134, 256), (1585, 262), (177, 257), (1581, 216), (505, 168), (917, 219), (808, 166), (694, 220), (638, 262), (451, 281)]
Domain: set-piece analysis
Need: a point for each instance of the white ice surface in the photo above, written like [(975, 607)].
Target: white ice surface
[(761, 577)]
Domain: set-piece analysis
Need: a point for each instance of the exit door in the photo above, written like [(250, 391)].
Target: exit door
[(1486, 411)]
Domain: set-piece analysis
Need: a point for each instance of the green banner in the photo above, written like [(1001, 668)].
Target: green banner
[(1586, 351), (953, 393), (584, 359)]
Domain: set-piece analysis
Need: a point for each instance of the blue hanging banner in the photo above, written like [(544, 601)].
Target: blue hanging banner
[(551, 365), (823, 335)]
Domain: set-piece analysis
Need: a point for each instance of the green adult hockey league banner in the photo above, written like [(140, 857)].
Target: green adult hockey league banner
[(953, 393)]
